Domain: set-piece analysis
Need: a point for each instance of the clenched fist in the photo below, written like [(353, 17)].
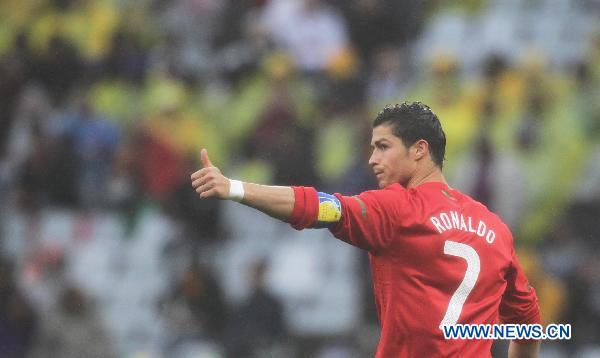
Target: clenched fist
[(208, 181)]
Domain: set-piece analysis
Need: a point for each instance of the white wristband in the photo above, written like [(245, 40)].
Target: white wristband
[(236, 190)]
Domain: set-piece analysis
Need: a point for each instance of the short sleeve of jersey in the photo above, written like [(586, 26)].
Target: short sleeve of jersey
[(371, 219), (519, 303)]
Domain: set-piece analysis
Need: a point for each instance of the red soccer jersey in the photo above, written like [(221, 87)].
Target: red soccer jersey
[(437, 257)]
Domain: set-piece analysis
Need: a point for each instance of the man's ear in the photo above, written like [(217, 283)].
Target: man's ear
[(421, 149)]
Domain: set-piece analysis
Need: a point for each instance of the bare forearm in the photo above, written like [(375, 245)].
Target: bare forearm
[(209, 182), (526, 350), (275, 201)]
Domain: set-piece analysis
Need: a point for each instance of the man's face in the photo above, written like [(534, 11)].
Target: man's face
[(391, 161)]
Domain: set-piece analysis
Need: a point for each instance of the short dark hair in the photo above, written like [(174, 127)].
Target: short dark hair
[(412, 121)]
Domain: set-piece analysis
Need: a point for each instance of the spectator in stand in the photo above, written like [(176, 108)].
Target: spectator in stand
[(257, 327), (125, 58), (389, 76), (18, 320), (194, 311), (73, 329), (190, 27), (311, 32), (13, 72), (95, 140), (376, 23), (486, 172), (59, 69)]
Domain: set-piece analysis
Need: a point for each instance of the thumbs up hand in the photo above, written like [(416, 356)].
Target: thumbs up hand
[(208, 181), (206, 163)]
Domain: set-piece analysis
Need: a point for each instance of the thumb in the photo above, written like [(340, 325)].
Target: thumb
[(204, 158)]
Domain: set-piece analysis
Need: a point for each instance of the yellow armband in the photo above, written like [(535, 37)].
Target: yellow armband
[(330, 210)]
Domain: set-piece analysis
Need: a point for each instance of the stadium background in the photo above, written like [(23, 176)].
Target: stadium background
[(105, 104)]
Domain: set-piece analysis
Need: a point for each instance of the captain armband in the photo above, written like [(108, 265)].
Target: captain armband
[(330, 211)]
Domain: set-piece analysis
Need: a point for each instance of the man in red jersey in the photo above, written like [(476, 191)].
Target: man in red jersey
[(437, 256)]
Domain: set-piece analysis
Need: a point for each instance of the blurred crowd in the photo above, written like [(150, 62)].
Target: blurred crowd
[(105, 105)]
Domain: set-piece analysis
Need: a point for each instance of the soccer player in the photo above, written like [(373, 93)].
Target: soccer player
[(437, 256)]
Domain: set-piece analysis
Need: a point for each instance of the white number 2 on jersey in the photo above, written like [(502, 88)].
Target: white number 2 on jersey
[(466, 286)]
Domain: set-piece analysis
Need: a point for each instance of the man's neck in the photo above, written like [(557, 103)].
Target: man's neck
[(430, 174)]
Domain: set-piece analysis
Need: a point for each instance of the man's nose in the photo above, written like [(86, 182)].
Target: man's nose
[(372, 159)]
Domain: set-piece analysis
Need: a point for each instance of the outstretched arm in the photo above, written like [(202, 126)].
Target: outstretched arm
[(366, 220), (276, 201)]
